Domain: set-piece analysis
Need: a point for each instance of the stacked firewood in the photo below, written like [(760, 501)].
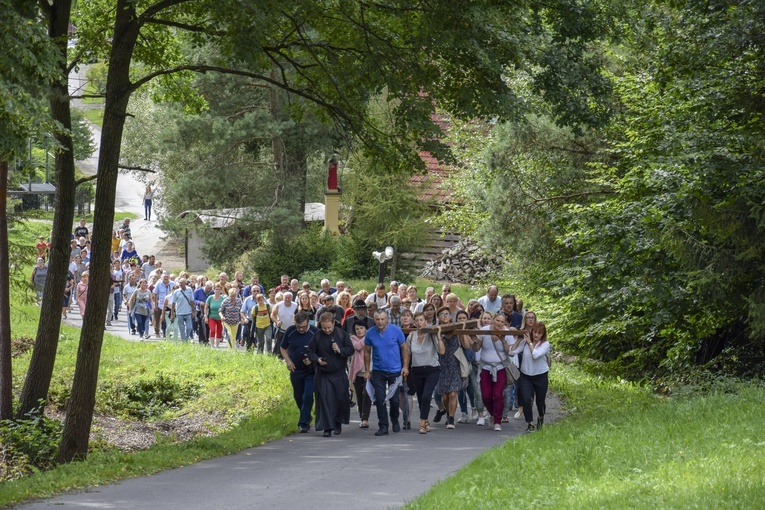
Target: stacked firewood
[(464, 262)]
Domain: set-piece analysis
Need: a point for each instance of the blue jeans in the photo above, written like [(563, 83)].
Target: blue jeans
[(185, 326), (142, 322), (131, 324), (302, 390), (380, 382), (117, 302), (147, 209)]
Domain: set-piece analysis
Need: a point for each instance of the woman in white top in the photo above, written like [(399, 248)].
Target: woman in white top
[(494, 349), (426, 368), (147, 199), (534, 373), (529, 319)]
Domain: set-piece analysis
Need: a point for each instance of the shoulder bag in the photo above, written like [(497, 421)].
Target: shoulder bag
[(512, 373), (465, 367)]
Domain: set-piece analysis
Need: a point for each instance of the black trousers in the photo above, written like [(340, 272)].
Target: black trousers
[(533, 386), (203, 330), (424, 381), (362, 397)]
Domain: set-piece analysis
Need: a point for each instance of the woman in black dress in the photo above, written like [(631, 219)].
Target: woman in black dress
[(450, 379)]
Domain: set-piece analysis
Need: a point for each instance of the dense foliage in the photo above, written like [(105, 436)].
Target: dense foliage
[(643, 239)]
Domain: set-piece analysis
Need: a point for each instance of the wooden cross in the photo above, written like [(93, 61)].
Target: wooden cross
[(466, 328)]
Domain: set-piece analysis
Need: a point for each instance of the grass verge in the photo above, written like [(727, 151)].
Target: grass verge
[(108, 466), (94, 115), (242, 400), (624, 448)]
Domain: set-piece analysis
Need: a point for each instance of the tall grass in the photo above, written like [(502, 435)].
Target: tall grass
[(624, 448)]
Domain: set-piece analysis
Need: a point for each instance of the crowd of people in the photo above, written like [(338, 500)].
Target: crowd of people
[(342, 347), (384, 350)]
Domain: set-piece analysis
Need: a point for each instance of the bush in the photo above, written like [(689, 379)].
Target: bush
[(310, 250), (149, 398), (27, 446)]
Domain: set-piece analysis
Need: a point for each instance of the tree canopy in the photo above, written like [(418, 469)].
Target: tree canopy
[(642, 237)]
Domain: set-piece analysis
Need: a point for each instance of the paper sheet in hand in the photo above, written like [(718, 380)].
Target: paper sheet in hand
[(392, 389)]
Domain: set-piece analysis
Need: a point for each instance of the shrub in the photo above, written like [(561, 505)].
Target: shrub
[(148, 398), (28, 445), (310, 250)]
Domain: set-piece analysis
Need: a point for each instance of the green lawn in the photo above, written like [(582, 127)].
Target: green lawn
[(245, 399), (624, 448), (251, 393), (94, 115)]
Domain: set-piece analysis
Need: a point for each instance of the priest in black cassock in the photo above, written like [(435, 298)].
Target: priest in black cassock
[(330, 349)]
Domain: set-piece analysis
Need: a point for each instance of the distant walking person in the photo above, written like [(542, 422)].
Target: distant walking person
[(147, 198), (82, 293), (39, 275)]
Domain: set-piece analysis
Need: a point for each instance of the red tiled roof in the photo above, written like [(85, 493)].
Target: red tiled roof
[(436, 173)]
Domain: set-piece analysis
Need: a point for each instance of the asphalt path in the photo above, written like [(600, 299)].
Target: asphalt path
[(353, 470), (147, 235)]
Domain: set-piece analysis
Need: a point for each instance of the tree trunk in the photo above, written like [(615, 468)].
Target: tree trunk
[(40, 370), (6, 378), (79, 417)]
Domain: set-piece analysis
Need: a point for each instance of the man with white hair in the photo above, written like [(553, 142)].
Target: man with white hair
[(339, 287), (325, 288), (161, 290), (393, 288), (283, 316), (294, 288)]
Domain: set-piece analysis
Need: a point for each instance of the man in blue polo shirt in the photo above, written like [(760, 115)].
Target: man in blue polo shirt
[(385, 346), (294, 349)]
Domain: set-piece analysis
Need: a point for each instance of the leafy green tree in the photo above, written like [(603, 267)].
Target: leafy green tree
[(26, 64), (56, 16), (453, 54), (642, 238)]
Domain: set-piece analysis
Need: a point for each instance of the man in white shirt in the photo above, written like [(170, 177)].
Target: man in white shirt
[(379, 297), (283, 315), (491, 302)]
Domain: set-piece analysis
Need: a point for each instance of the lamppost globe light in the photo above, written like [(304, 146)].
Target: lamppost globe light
[(389, 252)]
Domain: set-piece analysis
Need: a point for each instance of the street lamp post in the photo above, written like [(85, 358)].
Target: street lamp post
[(382, 257)]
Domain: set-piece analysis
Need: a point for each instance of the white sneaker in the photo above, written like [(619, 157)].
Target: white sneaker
[(497, 427), (481, 421), (463, 418), (474, 416)]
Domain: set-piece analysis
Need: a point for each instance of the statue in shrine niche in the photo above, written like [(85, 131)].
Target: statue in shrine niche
[(332, 176)]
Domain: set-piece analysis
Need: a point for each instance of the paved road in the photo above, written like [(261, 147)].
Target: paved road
[(148, 237), (353, 470)]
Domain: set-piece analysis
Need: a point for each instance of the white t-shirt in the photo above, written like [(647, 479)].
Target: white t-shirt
[(490, 306), (286, 314)]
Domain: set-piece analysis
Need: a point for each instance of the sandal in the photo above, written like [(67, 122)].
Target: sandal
[(427, 426), (423, 430), (364, 425)]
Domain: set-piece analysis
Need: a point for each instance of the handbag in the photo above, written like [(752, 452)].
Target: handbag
[(512, 373), (465, 367)]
